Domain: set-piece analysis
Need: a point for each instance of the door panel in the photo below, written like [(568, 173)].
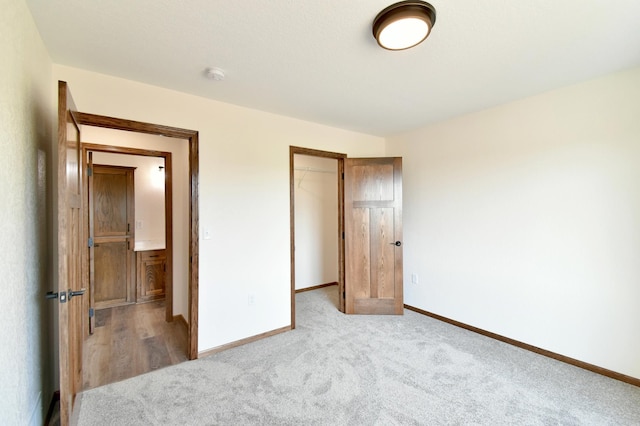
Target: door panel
[(110, 202), (373, 224), (383, 254), (110, 273), (359, 262), (70, 318)]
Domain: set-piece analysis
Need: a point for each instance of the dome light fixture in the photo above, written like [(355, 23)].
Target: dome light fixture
[(404, 25)]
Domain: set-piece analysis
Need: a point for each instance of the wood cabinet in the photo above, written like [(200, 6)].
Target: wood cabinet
[(151, 271)]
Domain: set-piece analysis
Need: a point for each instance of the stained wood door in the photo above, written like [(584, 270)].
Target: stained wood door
[(111, 204), (373, 240), (70, 208)]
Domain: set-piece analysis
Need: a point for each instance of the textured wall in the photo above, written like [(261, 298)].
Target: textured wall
[(26, 343)]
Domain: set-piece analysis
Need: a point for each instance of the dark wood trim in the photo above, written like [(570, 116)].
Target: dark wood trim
[(192, 137), (341, 238), (88, 265), (194, 279), (293, 150), (315, 152), (292, 235), (241, 342), (315, 287), (133, 126), (125, 150), (55, 399), (168, 236), (572, 361)]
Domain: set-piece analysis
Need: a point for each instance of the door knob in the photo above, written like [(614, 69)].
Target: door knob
[(51, 295), (76, 293), (397, 244)]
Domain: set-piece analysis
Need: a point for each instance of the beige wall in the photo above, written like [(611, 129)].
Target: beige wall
[(316, 220), (27, 356), (244, 194), (524, 220)]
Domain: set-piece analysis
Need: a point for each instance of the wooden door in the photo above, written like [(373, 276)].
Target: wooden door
[(111, 205), (373, 240), (69, 226)]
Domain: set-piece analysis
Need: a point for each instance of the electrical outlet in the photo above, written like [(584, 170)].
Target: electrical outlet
[(139, 224), (251, 299), (414, 278), (207, 233)]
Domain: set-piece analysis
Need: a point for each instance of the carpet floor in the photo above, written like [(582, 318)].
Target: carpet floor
[(335, 369)]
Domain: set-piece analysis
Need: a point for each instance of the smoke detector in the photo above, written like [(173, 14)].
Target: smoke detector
[(214, 74)]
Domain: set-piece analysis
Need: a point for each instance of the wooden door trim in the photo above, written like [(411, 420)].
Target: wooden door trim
[(193, 139), (168, 205), (293, 150), (112, 149)]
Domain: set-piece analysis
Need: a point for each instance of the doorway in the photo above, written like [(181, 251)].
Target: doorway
[(190, 138), (139, 334), (72, 259), (318, 164), (370, 233)]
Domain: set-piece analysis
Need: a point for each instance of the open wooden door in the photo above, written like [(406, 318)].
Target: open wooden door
[(373, 241), (111, 218), (70, 217)]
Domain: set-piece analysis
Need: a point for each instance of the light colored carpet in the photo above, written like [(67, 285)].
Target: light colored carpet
[(366, 370)]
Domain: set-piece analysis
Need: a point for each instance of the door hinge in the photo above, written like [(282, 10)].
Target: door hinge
[(343, 235), (90, 242), (342, 175), (89, 171), (91, 313)]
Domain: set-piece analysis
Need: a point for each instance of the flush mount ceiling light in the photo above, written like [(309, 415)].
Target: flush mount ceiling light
[(404, 24)]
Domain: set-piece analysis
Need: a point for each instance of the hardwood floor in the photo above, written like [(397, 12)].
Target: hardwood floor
[(131, 340)]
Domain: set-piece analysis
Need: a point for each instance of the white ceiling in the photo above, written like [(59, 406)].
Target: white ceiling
[(317, 60)]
